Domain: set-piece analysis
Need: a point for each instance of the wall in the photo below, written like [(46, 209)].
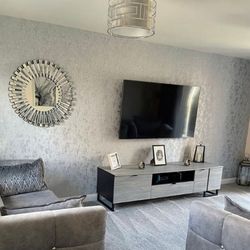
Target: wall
[(247, 150), (98, 64)]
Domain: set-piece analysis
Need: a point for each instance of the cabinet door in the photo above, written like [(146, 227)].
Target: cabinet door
[(132, 188), (200, 180), (214, 180)]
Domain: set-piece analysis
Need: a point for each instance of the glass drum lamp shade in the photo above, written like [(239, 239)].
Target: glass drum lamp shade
[(131, 18)]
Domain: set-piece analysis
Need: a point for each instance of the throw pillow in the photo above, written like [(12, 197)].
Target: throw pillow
[(240, 207), (22, 178), (61, 204)]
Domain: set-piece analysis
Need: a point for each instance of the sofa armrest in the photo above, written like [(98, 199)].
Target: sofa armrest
[(236, 233), (86, 227), (205, 226), (73, 228)]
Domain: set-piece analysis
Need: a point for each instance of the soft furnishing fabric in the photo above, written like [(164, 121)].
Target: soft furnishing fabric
[(22, 178), (30, 199), (236, 233), (55, 205), (70, 229), (239, 207)]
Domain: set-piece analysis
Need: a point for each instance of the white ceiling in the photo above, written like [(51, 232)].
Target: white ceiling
[(219, 26)]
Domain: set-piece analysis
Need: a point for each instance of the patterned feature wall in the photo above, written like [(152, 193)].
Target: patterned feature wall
[(98, 64), (247, 149)]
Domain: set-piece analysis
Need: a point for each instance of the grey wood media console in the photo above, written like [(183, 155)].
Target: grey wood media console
[(130, 183)]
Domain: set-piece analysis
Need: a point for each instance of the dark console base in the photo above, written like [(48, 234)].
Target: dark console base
[(210, 193), (110, 206)]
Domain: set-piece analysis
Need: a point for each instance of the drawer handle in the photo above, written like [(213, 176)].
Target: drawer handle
[(134, 175)]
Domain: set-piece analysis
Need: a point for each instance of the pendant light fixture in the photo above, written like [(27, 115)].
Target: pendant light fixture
[(131, 18)]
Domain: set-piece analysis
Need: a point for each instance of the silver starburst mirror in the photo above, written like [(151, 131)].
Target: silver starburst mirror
[(41, 93)]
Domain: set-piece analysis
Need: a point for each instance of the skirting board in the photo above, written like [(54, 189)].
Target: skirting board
[(228, 180)]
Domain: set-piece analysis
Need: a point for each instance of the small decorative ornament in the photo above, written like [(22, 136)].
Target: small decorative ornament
[(141, 165), (199, 154), (41, 93), (187, 162), (159, 155), (114, 161)]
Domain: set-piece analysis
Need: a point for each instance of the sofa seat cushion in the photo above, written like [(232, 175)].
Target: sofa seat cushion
[(29, 199), (38, 201), (22, 178)]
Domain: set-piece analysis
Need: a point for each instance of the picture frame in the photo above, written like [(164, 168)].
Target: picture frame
[(114, 161), (159, 155), (199, 154)]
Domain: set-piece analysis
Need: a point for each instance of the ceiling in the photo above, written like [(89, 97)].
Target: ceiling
[(218, 26)]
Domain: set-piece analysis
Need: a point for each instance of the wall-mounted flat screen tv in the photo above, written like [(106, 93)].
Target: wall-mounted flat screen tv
[(158, 110)]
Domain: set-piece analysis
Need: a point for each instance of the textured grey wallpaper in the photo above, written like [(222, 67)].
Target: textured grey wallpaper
[(98, 64)]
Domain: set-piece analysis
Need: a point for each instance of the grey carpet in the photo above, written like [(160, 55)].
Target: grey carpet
[(159, 224)]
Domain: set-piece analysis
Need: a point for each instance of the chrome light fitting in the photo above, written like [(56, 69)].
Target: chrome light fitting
[(131, 18)]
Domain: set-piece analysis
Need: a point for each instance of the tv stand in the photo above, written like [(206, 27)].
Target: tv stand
[(130, 183)]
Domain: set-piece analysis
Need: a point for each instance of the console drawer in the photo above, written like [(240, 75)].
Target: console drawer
[(165, 190), (132, 188)]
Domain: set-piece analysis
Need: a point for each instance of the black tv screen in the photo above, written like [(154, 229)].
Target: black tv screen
[(158, 110)]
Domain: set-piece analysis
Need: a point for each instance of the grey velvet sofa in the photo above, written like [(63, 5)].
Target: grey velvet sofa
[(78, 228), (211, 228)]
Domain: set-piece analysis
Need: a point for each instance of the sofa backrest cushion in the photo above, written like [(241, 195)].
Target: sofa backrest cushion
[(238, 206), (22, 232), (63, 203), (232, 230), (22, 178), (29, 199), (196, 242), (80, 223), (206, 221), (71, 229), (236, 233)]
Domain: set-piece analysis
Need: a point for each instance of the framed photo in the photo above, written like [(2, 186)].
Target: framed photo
[(199, 154), (114, 161), (159, 155)]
